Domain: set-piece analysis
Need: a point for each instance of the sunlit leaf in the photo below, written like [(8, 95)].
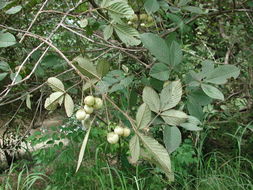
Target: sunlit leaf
[(151, 98), (69, 105), (134, 147), (174, 117), (143, 116), (82, 150), (13, 10), (171, 95), (159, 153), (55, 84), (7, 39), (212, 92)]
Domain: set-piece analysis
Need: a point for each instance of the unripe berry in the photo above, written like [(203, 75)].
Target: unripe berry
[(80, 114), (143, 17), (119, 130), (87, 116), (129, 22), (89, 100), (112, 138), (150, 19), (134, 18), (88, 109), (126, 132), (98, 103)]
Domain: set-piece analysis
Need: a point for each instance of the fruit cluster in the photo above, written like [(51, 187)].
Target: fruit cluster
[(91, 104), (144, 19), (113, 137)]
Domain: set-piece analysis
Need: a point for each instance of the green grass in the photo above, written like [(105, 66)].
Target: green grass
[(106, 167)]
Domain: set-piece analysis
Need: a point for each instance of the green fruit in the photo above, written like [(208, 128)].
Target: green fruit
[(112, 138), (89, 100), (87, 116), (126, 132), (119, 130), (143, 17), (150, 19), (134, 18), (80, 114), (88, 109), (98, 103)]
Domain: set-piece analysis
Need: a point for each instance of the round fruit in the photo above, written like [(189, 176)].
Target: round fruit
[(134, 18), (88, 109), (143, 17), (127, 132), (89, 100), (150, 19), (112, 138), (80, 114), (119, 130), (87, 116), (98, 103)]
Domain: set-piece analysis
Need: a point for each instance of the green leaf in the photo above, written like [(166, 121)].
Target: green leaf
[(69, 105), (119, 8), (200, 97), (175, 54), (151, 6), (89, 84), (103, 67), (55, 84), (28, 101), (192, 9), (143, 116), (172, 138), (212, 92), (134, 147), (207, 67), (52, 101), (183, 3), (159, 153), (127, 34), (157, 46), (115, 80), (4, 66), (13, 10), (174, 117), (3, 75), (192, 124), (18, 78), (194, 108), (82, 150), (220, 74), (3, 3), (108, 30), (190, 127), (171, 95), (151, 98), (86, 67), (160, 71), (7, 39)]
